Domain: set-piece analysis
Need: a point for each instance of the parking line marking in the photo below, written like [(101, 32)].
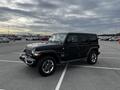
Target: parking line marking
[(61, 78), (107, 68), (2, 89), (10, 61), (64, 71), (103, 57)]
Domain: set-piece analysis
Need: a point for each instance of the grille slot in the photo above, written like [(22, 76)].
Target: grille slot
[(28, 52)]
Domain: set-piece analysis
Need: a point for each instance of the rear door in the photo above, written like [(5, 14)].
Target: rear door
[(83, 45)]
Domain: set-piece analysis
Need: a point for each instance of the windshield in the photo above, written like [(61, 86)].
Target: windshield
[(58, 38)]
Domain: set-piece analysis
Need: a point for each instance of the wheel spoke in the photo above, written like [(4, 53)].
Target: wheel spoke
[(48, 66), (93, 57)]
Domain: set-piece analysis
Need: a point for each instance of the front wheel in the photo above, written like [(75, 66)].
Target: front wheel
[(92, 57), (47, 66)]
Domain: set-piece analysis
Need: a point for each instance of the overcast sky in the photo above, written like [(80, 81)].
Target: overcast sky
[(95, 16)]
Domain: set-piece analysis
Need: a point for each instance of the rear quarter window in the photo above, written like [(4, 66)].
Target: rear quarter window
[(92, 37)]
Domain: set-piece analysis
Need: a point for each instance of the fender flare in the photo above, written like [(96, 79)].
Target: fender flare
[(51, 53), (93, 48)]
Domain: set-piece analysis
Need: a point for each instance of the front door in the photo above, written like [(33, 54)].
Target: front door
[(72, 49)]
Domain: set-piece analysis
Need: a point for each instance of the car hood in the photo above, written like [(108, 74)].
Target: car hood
[(41, 44)]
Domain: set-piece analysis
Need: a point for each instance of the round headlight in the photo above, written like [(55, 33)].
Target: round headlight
[(35, 53)]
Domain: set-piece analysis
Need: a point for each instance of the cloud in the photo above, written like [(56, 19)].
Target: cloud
[(96, 16), (14, 30)]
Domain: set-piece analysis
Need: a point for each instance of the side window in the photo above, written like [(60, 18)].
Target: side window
[(72, 38), (83, 38), (92, 38)]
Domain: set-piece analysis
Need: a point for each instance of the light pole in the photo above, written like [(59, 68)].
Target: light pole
[(8, 30)]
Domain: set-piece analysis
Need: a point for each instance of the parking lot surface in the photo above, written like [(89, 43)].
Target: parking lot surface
[(104, 75)]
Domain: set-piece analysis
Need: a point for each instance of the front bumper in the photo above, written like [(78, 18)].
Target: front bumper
[(27, 59)]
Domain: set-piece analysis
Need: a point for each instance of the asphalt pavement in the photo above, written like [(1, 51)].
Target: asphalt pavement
[(104, 75)]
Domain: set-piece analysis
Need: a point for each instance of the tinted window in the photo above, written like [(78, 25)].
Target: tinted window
[(83, 38), (72, 38), (92, 37)]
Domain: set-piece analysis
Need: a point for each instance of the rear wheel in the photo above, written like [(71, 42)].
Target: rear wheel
[(92, 57), (47, 66)]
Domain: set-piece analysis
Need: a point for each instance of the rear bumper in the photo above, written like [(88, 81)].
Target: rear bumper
[(98, 53), (27, 60)]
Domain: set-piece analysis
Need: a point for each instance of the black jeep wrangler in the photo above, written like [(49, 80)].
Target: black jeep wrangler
[(61, 48)]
